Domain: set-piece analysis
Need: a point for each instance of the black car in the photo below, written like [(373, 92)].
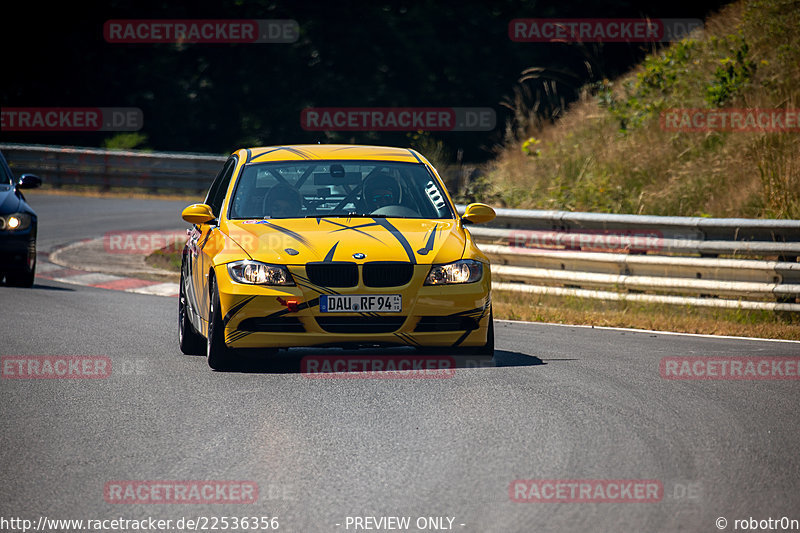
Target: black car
[(17, 228)]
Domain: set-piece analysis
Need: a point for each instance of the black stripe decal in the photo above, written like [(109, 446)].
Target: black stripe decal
[(262, 154), (410, 151), (293, 234), (483, 309), (287, 148), (320, 290), (429, 244), (235, 309), (205, 239), (307, 283), (399, 236), (237, 335), (343, 227), (462, 337), (475, 311), (301, 153), (300, 307), (329, 255), (401, 338), (408, 338)]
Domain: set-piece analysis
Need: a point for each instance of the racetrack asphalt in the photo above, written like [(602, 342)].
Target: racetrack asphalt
[(555, 403)]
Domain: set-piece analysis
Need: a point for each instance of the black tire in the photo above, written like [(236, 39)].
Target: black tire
[(220, 357), (22, 279), (191, 342)]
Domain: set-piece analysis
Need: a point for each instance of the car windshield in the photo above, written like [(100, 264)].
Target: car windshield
[(338, 188)]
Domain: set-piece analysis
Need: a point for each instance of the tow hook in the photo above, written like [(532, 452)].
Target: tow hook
[(291, 305)]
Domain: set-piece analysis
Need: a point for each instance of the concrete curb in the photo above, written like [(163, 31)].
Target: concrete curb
[(87, 263)]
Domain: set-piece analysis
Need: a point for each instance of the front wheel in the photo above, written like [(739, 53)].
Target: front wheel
[(191, 342), (22, 279), (220, 357)]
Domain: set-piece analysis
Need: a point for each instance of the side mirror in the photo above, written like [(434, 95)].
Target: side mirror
[(478, 214), (198, 214), (29, 181)]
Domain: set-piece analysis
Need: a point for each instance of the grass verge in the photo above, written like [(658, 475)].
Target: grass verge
[(610, 153), (662, 317), (165, 259)]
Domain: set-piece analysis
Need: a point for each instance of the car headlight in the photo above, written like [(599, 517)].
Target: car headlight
[(462, 271), (256, 273), (15, 222)]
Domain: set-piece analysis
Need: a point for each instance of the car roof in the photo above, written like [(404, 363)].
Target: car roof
[(305, 152)]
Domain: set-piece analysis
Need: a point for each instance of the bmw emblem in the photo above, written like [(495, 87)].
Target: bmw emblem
[(359, 255)]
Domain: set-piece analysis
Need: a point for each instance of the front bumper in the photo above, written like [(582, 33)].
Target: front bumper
[(432, 316)]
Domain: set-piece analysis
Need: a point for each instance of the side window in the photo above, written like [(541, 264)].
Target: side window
[(216, 194)]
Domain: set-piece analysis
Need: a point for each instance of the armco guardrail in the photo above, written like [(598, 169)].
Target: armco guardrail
[(646, 258), (634, 257), (64, 165)]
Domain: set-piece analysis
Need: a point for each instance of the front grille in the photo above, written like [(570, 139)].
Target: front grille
[(445, 323), (387, 273), (279, 324), (360, 324), (333, 274)]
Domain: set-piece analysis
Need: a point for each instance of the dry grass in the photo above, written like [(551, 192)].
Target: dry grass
[(166, 259), (682, 319), (590, 161)]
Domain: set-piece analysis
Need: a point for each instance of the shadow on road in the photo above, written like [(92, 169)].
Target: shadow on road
[(315, 363), (36, 286)]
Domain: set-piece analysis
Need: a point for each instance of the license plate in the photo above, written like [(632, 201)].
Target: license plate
[(358, 303)]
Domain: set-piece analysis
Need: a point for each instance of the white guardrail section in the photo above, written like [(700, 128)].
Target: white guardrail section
[(613, 257), (671, 260)]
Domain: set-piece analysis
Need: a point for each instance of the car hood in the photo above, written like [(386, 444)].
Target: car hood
[(299, 241), (9, 202)]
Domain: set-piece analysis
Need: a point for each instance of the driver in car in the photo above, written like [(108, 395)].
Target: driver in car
[(283, 201), (381, 190)]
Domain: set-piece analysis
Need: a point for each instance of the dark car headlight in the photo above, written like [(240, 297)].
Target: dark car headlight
[(15, 222), (462, 271), (257, 273)]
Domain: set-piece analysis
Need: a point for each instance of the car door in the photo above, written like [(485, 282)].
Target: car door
[(207, 232)]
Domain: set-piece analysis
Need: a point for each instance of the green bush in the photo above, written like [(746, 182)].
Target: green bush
[(732, 74)]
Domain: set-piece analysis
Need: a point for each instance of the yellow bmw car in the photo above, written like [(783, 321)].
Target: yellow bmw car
[(332, 245)]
